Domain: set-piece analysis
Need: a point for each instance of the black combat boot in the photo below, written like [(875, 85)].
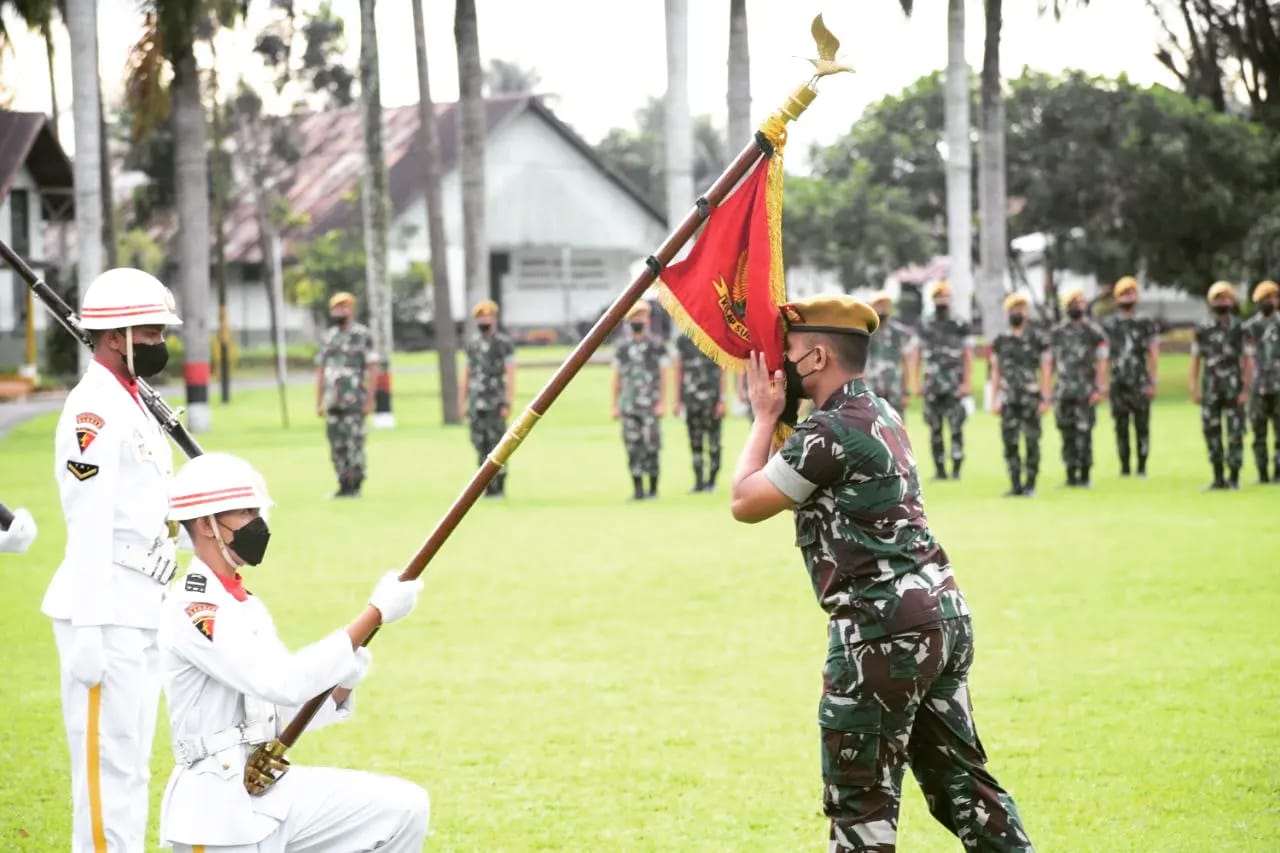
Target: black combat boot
[(1072, 481), (711, 480), (1085, 482), (653, 486), (1219, 482), (1015, 486), (1124, 466), (698, 483), (1142, 467), (1029, 487), (1233, 481), (942, 471), (955, 469), (637, 484)]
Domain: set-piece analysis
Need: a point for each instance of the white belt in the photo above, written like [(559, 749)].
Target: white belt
[(141, 559), (188, 752)]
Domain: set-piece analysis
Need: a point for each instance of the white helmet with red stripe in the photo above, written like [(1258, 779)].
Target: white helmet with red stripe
[(214, 483), (124, 297)]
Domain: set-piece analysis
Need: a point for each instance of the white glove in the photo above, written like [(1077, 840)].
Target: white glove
[(88, 662), (21, 533), (393, 598), (363, 658), (162, 562)]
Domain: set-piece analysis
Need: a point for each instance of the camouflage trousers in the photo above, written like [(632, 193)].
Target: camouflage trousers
[(1020, 418), (1213, 411), (946, 408), (345, 431), (1264, 408), (642, 435), (904, 700), (704, 432), (1127, 402), (1075, 418), (487, 428)]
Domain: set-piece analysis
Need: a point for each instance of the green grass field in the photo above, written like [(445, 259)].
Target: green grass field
[(584, 674)]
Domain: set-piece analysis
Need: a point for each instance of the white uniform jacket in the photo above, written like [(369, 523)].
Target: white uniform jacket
[(112, 463), (230, 683)]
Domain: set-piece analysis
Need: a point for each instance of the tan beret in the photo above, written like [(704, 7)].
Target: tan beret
[(484, 306), (1265, 289), (1072, 295), (1128, 284), (940, 288), (640, 309), (1222, 288), (831, 314), (341, 298), (1016, 300)]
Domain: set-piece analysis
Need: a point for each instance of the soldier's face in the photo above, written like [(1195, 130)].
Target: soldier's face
[(883, 309), (1222, 305), (639, 325), (340, 313), (486, 323)]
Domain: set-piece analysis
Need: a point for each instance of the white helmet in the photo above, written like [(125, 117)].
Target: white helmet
[(124, 297), (214, 483)]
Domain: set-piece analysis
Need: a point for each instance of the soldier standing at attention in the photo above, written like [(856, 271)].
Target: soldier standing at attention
[(1134, 346), (1079, 360), (346, 366), (1262, 337), (1020, 378), (700, 388), (639, 387), (489, 385), (889, 358), (946, 360), (1221, 389), (899, 637)]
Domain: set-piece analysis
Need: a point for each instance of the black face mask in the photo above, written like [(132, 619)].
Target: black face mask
[(336, 320), (637, 327), (942, 312), (1267, 308), (1222, 310), (1075, 313), (1016, 320), (149, 359), (795, 388), (250, 541), (1127, 306), (484, 328)]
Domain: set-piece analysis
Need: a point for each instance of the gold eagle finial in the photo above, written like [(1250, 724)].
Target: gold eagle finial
[(827, 45)]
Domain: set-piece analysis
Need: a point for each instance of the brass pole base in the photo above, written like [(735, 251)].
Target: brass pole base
[(265, 767)]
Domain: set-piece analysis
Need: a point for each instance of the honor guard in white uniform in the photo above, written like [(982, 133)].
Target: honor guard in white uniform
[(17, 537), (230, 684), (113, 464)]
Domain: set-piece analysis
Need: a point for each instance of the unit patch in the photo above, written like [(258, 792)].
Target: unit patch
[(87, 426), (201, 614), (81, 470), (195, 583)]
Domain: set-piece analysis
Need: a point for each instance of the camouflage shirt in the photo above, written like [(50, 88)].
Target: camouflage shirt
[(943, 343), (1077, 345), (700, 386), (891, 342), (1129, 342), (344, 355), (1262, 337), (860, 522), (1221, 349), (1019, 359), (640, 368), (487, 360)]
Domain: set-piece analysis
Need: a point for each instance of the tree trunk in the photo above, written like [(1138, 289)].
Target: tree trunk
[(108, 196), (46, 30), (442, 302), (191, 189), (992, 205), (471, 139), (679, 125), (959, 166), (739, 75), (82, 28), (373, 198)]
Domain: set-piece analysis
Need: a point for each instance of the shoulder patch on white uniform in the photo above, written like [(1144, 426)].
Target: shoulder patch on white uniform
[(87, 426), (195, 583), (201, 614), (81, 470)]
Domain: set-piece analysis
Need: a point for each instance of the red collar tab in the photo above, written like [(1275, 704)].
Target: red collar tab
[(234, 586)]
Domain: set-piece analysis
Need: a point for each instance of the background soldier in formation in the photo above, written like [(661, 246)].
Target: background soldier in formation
[(344, 391), (700, 387), (889, 357), (1080, 361), (488, 385), (946, 360), (1020, 379), (639, 387), (1262, 338), (1134, 346), (1221, 388)]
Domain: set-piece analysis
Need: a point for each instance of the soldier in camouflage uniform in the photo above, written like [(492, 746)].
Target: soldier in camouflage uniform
[(1079, 360), (946, 356), (344, 391), (1221, 389), (1020, 378), (1262, 339), (639, 387), (700, 386), (891, 351), (900, 641), (1133, 343), (489, 385)]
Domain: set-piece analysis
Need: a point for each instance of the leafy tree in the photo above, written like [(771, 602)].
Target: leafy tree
[(638, 153)]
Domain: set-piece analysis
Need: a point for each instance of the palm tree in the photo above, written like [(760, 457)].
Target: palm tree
[(446, 336), (739, 75), (471, 145), (373, 203), (679, 124), (992, 206), (82, 28), (959, 165)]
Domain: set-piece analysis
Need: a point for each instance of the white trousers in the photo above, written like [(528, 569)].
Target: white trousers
[(109, 732), (342, 811)]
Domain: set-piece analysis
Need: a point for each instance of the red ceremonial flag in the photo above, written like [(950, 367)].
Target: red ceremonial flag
[(725, 294)]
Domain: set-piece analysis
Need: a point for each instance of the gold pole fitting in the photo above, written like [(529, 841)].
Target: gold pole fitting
[(516, 433), (797, 102), (265, 766)]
